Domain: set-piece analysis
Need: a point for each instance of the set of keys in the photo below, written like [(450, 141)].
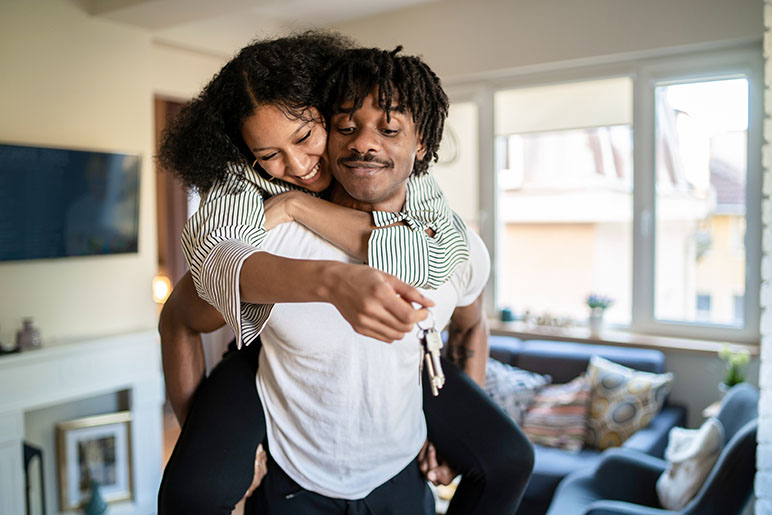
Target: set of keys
[(431, 340)]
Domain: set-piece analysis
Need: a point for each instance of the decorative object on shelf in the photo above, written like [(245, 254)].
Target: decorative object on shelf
[(546, 320), (506, 315), (94, 449), (598, 305), (96, 504), (9, 349), (28, 337), (736, 362)]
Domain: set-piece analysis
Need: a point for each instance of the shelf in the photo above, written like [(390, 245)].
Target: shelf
[(612, 337)]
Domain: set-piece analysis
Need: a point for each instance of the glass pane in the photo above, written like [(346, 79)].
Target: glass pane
[(565, 201), (701, 169)]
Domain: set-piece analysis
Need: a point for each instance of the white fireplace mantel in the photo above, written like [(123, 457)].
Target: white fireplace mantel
[(79, 370)]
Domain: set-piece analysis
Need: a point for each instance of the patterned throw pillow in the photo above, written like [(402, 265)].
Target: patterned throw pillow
[(512, 388), (623, 401), (558, 415)]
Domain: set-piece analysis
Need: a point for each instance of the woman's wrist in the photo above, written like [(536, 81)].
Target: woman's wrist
[(296, 206), (329, 278)]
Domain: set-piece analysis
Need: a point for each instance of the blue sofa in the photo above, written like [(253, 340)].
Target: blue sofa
[(564, 361)]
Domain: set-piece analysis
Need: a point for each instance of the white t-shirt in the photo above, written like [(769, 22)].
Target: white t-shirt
[(344, 411)]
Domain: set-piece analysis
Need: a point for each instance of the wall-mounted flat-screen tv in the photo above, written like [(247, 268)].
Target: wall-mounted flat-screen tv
[(59, 203)]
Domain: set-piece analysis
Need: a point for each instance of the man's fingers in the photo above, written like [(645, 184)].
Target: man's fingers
[(409, 293), (441, 475), (404, 314), (380, 331), (422, 464), (431, 456), (427, 459)]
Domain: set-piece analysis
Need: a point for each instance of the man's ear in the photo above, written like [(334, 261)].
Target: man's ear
[(420, 151)]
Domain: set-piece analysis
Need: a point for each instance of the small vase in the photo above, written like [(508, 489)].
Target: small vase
[(506, 315), (596, 322), (28, 337), (96, 504)]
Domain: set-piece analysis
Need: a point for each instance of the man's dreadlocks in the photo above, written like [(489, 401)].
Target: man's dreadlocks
[(404, 79)]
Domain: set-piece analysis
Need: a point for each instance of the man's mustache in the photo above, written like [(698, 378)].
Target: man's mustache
[(356, 157)]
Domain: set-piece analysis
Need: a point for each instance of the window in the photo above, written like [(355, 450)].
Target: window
[(701, 169), (638, 179), (565, 202)]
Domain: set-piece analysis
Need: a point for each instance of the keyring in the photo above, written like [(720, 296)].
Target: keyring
[(434, 323)]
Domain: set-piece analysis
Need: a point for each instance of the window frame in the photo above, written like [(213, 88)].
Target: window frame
[(646, 70)]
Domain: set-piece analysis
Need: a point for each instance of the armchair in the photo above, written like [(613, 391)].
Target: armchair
[(623, 483)]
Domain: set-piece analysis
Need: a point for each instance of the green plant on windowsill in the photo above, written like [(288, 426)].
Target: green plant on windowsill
[(736, 362), (599, 302)]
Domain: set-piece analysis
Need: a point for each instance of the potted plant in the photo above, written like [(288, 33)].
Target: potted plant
[(736, 362), (598, 304)]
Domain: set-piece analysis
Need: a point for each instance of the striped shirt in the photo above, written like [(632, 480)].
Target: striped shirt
[(229, 226)]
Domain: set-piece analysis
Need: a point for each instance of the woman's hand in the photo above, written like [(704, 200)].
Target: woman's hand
[(278, 209), (375, 303)]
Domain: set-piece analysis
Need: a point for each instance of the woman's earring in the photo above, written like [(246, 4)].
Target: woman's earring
[(269, 175)]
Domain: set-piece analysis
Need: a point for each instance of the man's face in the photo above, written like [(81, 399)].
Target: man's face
[(370, 157)]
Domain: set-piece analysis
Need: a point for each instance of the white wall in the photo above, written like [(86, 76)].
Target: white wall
[(72, 80), (696, 378), (763, 486), (459, 37)]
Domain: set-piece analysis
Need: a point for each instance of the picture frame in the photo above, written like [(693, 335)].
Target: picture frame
[(99, 448)]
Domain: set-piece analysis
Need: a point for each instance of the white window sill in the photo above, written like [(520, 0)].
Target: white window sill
[(612, 337)]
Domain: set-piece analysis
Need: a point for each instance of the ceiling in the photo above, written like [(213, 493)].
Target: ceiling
[(223, 26)]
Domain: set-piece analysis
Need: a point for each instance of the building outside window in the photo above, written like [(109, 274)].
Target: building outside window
[(701, 170), (703, 306), (565, 196)]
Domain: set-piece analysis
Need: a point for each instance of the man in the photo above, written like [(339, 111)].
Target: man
[(344, 412)]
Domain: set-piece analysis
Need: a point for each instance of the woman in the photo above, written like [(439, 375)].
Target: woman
[(293, 130)]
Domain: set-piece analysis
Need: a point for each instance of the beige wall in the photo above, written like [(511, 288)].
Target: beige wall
[(459, 37), (71, 80), (179, 73)]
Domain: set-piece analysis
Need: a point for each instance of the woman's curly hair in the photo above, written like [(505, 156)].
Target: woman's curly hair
[(205, 138), (406, 79)]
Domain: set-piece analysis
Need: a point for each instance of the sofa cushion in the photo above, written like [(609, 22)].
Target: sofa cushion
[(557, 416), (511, 388), (690, 454), (623, 401)]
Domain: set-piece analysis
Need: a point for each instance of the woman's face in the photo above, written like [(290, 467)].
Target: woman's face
[(291, 149)]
